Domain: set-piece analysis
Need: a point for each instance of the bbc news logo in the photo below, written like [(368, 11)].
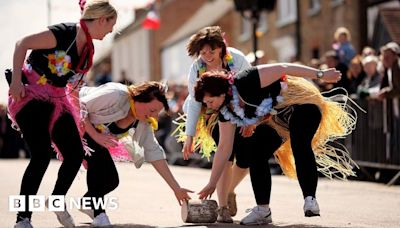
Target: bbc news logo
[(59, 203)]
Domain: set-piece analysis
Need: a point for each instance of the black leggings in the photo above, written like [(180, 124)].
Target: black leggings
[(33, 120), (303, 124), (102, 175)]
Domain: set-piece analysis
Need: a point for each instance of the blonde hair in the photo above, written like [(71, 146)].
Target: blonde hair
[(342, 30), (98, 8)]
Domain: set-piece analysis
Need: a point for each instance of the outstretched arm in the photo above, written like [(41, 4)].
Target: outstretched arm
[(221, 156), (269, 73), (162, 168)]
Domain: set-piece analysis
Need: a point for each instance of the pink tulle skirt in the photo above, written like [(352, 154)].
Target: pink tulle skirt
[(58, 96), (119, 153)]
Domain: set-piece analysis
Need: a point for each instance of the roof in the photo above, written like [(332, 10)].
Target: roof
[(391, 19)]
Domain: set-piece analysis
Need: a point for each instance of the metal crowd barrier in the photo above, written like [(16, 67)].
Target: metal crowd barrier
[(375, 142)]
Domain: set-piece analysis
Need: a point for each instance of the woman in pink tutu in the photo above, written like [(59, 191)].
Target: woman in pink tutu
[(40, 105)]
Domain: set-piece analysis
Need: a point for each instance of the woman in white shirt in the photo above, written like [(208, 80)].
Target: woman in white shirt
[(209, 47), (113, 112)]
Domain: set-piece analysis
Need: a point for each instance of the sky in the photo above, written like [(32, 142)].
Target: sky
[(19, 18)]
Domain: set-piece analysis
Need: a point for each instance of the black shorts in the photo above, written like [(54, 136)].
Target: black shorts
[(239, 150)]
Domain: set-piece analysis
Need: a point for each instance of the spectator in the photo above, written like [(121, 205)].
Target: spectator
[(10, 140), (390, 86), (355, 74), (342, 45), (369, 87), (124, 79), (332, 61), (104, 75), (367, 50)]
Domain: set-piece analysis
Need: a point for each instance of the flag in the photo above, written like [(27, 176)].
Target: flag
[(152, 21), (82, 4)]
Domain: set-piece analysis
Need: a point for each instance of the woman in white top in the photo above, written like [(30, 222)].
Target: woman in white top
[(116, 124), (210, 49)]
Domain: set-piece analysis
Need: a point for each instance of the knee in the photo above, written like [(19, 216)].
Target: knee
[(74, 159), (112, 183), (40, 162), (115, 182)]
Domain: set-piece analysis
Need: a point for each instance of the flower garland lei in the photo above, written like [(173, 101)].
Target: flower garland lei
[(59, 63), (240, 120)]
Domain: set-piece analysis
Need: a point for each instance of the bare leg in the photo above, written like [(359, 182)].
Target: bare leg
[(238, 175), (222, 191), (223, 185)]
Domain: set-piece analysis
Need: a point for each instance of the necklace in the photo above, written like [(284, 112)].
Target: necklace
[(239, 118)]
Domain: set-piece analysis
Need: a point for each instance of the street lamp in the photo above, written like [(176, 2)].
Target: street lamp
[(251, 9)]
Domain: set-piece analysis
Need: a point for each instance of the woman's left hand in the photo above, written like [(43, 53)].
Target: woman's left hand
[(182, 195), (331, 75), (247, 131), (207, 191)]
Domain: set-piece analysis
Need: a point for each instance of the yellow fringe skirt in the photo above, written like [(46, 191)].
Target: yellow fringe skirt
[(336, 122)]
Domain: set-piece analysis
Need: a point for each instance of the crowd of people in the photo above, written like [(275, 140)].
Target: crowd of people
[(280, 109)]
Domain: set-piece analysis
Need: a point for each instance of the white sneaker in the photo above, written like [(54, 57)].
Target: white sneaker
[(101, 220), (311, 207), (65, 218), (258, 216), (24, 223), (88, 212)]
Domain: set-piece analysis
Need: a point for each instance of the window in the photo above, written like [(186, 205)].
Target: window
[(287, 12), (247, 27), (314, 7)]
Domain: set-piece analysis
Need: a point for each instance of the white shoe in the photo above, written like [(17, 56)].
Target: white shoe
[(24, 223), (88, 212), (311, 207), (65, 218), (258, 216), (101, 220)]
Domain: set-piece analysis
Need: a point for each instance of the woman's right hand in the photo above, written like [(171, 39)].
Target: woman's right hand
[(105, 140), (17, 90), (331, 75), (188, 147)]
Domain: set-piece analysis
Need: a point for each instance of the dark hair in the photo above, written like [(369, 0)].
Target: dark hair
[(146, 92), (212, 36), (213, 83)]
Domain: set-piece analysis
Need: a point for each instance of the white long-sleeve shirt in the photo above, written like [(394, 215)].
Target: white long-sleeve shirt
[(109, 103), (191, 107)]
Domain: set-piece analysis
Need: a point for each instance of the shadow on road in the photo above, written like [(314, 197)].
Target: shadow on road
[(216, 225), (119, 226), (236, 224)]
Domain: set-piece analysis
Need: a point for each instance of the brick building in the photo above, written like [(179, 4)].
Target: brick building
[(294, 30)]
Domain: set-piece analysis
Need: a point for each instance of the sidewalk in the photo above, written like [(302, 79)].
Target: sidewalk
[(145, 200)]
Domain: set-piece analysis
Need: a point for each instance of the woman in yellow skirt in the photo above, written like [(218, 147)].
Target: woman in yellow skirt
[(286, 116)]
